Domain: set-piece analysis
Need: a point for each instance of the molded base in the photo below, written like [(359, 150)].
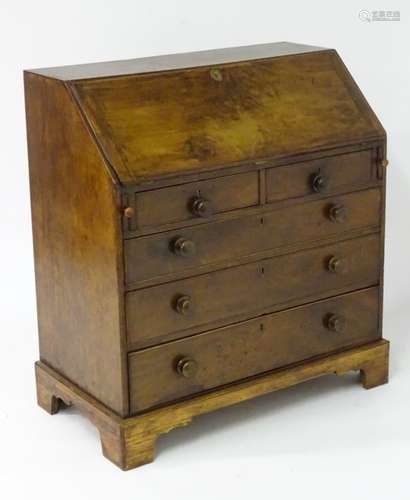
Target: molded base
[(130, 442)]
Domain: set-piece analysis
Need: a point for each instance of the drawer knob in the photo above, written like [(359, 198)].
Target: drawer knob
[(183, 247), (187, 367), (183, 304), (337, 265), (201, 207), (336, 323), (319, 183), (128, 212), (337, 213)]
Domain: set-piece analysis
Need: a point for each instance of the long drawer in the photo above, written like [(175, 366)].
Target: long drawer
[(189, 366), (173, 310), (186, 249)]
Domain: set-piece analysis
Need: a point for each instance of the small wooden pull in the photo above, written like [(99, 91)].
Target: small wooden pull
[(183, 305), (381, 167), (336, 323), (201, 207), (183, 247), (337, 265), (337, 213), (187, 367), (319, 183), (128, 212)]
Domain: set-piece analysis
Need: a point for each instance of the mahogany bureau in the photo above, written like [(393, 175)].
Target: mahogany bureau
[(208, 227)]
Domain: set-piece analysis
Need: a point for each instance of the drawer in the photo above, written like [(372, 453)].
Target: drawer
[(321, 176), (173, 310), (217, 242), (189, 366), (196, 200)]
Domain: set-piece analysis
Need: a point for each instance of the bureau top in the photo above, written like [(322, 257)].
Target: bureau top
[(169, 115), (175, 61)]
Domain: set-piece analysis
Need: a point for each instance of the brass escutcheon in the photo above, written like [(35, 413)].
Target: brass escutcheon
[(216, 74)]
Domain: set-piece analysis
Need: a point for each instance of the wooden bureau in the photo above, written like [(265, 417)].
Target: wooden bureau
[(208, 227)]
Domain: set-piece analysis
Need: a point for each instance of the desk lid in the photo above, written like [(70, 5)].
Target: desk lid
[(160, 116)]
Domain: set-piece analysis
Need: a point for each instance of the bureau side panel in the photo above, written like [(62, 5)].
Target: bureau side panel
[(77, 246)]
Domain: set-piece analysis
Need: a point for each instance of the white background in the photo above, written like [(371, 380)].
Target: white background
[(323, 439)]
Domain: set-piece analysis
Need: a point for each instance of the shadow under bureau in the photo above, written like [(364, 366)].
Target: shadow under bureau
[(208, 227)]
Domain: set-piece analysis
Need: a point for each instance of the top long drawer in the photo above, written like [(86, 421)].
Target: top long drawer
[(184, 250)]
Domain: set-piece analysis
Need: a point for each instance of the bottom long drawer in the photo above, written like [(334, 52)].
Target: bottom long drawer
[(188, 366)]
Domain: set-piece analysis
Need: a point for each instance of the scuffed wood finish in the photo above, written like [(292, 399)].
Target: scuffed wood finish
[(342, 172), (174, 204), (78, 258), (220, 243), (245, 349), (248, 290), (207, 228), (130, 442), (375, 373), (161, 124)]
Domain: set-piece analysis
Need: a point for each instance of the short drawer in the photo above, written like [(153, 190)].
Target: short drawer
[(205, 361), (171, 310), (189, 248), (196, 200), (322, 176)]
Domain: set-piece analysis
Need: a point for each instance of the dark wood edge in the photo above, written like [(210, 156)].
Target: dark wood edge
[(130, 442), (380, 156)]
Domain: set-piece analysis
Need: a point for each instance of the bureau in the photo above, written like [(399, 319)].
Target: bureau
[(208, 227)]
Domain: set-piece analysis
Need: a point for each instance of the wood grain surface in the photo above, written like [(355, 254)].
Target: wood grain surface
[(157, 124), (245, 349), (220, 243), (78, 255), (249, 290), (130, 442)]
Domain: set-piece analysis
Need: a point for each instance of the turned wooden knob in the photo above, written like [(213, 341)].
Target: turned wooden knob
[(128, 212), (336, 323), (337, 265), (183, 247), (201, 207), (319, 183), (187, 367), (337, 213), (183, 304)]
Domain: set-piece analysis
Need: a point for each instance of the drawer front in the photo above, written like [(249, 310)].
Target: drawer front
[(321, 176), (197, 200), (181, 250), (172, 309), (185, 367)]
